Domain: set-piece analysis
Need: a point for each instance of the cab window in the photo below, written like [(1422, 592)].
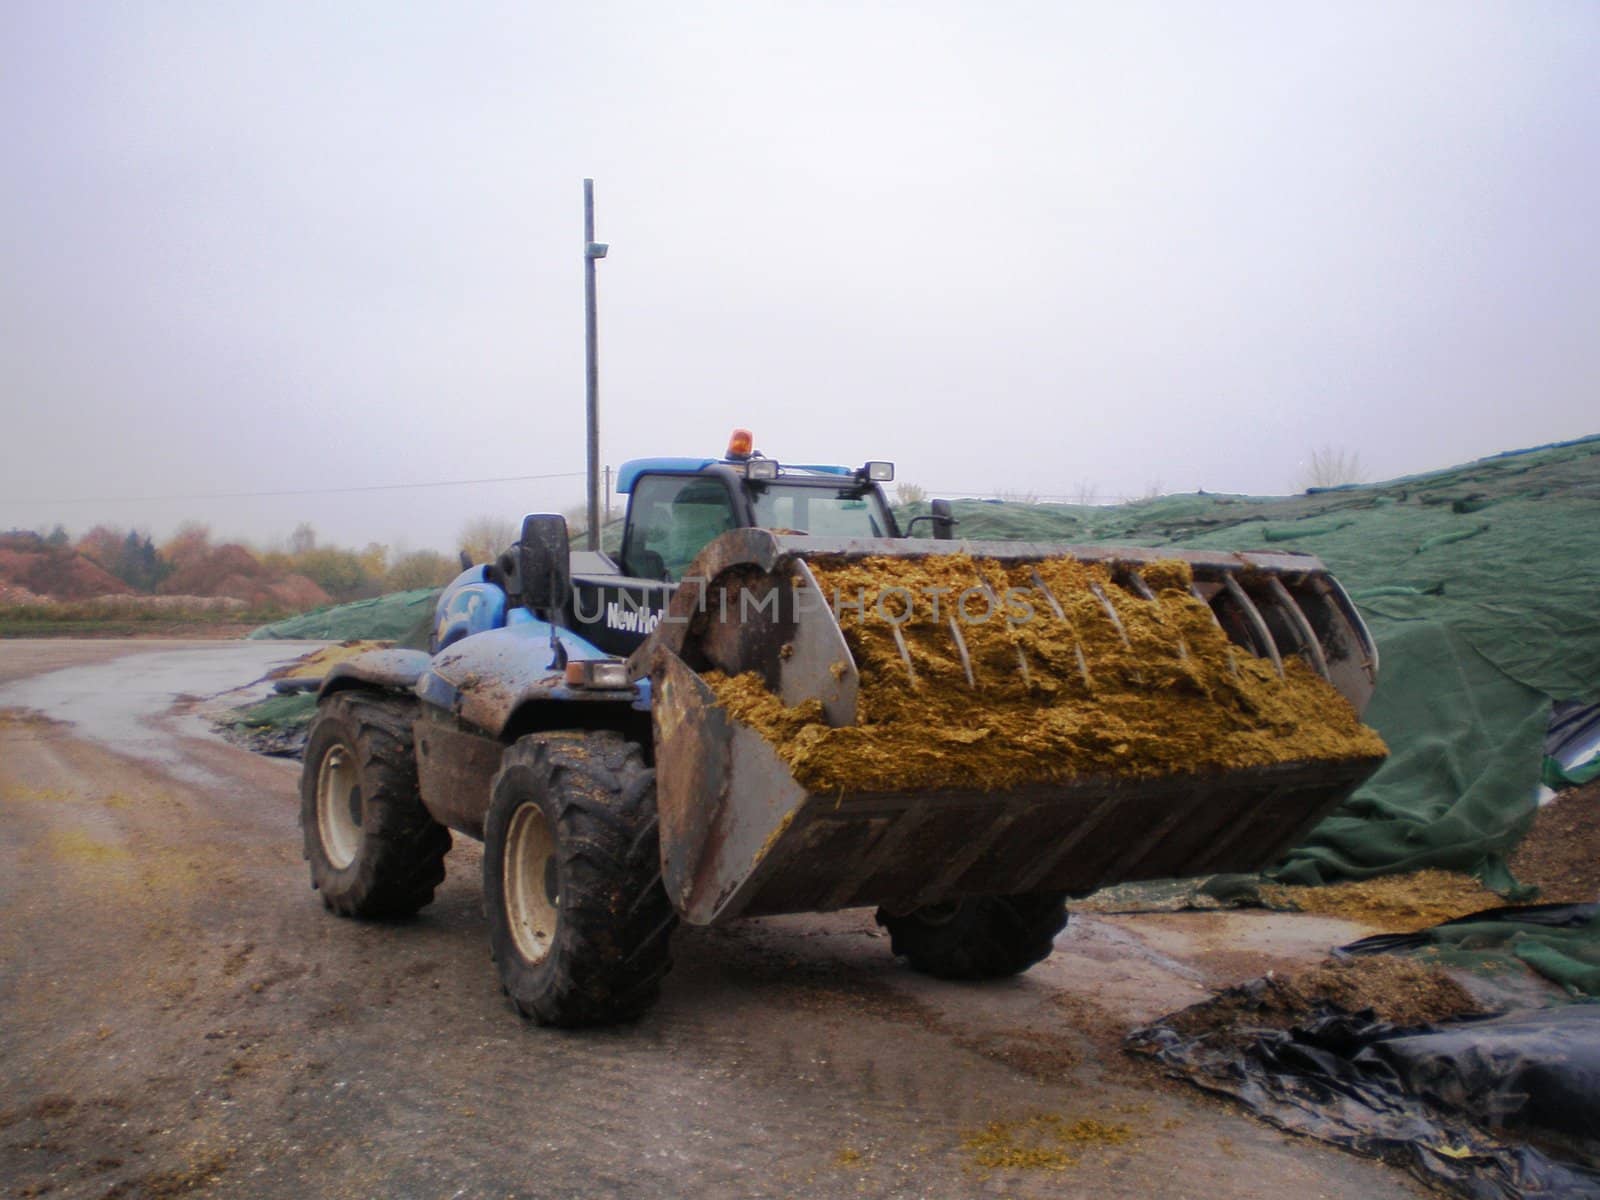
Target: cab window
[(821, 511), (671, 518)]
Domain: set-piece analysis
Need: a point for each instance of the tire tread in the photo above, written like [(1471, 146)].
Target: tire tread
[(612, 944), (401, 860), (988, 937)]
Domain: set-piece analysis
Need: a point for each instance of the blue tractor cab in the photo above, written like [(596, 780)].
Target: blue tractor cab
[(676, 507)]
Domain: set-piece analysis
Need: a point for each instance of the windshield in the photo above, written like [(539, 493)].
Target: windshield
[(821, 511), (670, 520)]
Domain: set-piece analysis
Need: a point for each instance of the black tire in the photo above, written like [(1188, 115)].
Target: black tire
[(373, 849), (579, 924), (983, 937)]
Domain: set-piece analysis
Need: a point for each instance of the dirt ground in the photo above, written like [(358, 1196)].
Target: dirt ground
[(1393, 903), (178, 1015), (1561, 854)]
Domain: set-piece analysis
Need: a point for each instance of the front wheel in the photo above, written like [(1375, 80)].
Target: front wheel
[(579, 923), (982, 937), (373, 849)]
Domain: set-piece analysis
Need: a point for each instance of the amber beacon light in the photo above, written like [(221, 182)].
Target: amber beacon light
[(741, 444)]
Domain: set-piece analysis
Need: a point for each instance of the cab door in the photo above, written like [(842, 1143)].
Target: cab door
[(671, 518)]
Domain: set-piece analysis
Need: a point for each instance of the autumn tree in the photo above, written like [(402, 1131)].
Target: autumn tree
[(102, 544), (421, 569), (374, 560), (484, 539), (190, 544), (337, 572)]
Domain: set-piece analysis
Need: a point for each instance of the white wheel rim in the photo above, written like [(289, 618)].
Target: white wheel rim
[(339, 807), (528, 880)]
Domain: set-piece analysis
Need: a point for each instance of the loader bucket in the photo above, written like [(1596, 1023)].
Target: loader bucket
[(1066, 748)]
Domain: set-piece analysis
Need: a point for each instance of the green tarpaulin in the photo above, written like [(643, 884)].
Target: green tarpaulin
[(1558, 942), (386, 618)]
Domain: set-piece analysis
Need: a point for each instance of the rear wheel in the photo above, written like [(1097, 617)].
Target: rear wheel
[(579, 924), (982, 937), (373, 849)]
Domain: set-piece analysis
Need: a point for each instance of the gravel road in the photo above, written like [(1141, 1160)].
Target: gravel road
[(178, 1015)]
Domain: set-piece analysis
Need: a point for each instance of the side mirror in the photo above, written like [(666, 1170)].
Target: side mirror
[(544, 562), (944, 525)]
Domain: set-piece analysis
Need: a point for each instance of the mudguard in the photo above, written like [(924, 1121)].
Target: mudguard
[(484, 679), (391, 670)]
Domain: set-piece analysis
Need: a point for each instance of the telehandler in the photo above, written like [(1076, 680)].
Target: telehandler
[(567, 715)]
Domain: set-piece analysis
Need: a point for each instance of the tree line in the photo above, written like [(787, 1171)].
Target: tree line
[(136, 558)]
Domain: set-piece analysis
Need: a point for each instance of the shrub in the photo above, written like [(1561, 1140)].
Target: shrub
[(420, 569)]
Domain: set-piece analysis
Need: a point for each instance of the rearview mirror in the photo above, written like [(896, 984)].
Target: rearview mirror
[(944, 524), (544, 560)]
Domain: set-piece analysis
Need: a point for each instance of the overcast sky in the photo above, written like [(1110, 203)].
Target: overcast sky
[(1029, 248)]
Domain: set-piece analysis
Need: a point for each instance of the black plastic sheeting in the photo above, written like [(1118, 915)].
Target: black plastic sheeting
[(1497, 1108), (1535, 1073)]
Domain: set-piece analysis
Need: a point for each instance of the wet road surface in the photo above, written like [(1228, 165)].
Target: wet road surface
[(178, 1015)]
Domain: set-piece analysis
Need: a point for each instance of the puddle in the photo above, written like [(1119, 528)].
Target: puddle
[(125, 704)]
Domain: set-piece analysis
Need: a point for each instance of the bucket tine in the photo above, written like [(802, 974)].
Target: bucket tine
[(1139, 587), (1309, 646), (1258, 624), (961, 649), (1233, 667), (995, 601), (905, 653), (1111, 611), (1195, 592), (1050, 598), (1142, 589), (1061, 614)]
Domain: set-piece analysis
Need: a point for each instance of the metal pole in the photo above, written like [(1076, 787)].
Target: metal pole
[(592, 250)]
